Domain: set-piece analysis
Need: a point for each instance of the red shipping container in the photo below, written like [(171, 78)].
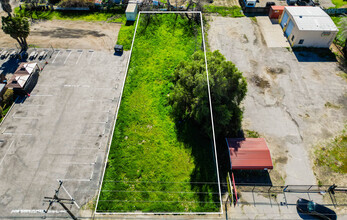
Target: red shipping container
[(276, 11)]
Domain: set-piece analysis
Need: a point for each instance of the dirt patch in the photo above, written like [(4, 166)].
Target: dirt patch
[(69, 34), (260, 82), (274, 70)]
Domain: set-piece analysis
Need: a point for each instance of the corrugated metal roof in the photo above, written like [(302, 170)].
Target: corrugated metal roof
[(249, 154), (311, 18)]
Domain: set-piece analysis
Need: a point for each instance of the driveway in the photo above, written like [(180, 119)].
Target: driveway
[(60, 132)]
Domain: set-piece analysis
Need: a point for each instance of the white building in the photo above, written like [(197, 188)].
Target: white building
[(308, 27), (131, 12)]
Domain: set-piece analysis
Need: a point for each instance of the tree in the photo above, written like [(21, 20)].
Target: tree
[(5, 4), (17, 28), (189, 98), (343, 27)]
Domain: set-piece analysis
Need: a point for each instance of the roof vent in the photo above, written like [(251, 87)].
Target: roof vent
[(300, 16)]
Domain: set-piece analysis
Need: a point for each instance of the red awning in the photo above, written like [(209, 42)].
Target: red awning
[(249, 154)]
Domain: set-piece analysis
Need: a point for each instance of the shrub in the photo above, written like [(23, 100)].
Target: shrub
[(1, 112), (8, 97)]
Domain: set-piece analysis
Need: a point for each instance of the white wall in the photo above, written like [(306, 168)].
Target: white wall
[(311, 38)]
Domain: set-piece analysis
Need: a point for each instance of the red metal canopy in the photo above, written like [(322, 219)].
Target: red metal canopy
[(249, 154)]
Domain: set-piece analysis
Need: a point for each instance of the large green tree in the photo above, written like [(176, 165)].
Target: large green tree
[(18, 28), (189, 97)]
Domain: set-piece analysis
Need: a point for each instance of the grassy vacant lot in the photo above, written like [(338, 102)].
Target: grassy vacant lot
[(154, 162), (331, 160), (234, 11), (116, 15)]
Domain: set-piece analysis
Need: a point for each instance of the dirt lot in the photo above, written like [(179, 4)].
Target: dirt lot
[(287, 96), (69, 34), (286, 103)]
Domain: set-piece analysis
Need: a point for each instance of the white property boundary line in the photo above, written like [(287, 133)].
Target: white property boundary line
[(212, 123)]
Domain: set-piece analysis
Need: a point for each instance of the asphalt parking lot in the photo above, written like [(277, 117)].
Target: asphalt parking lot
[(60, 132)]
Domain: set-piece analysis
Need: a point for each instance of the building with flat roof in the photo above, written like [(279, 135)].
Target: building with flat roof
[(308, 27)]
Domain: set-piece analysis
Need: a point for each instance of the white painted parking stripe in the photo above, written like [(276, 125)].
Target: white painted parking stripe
[(11, 133), (42, 95), (91, 57), (24, 117), (67, 56), (56, 56), (8, 149), (79, 57), (83, 86)]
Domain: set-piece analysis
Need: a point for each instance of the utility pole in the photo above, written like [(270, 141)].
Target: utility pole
[(61, 201)]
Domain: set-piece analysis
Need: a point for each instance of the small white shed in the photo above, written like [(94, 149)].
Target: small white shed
[(308, 27), (131, 12)]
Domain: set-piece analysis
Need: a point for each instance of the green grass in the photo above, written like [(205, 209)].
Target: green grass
[(4, 112), (152, 157), (125, 35), (333, 155), (234, 11), (116, 15), (338, 3)]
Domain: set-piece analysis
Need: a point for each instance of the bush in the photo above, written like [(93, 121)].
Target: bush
[(8, 97), (75, 3), (1, 112)]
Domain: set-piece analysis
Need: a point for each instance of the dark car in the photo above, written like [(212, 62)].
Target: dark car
[(314, 209), (269, 4)]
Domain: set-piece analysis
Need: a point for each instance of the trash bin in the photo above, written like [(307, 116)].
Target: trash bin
[(118, 48)]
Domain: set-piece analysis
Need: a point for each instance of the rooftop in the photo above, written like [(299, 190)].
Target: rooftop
[(311, 18), (249, 154)]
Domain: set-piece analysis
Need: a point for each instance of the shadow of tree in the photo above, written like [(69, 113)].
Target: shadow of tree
[(204, 176)]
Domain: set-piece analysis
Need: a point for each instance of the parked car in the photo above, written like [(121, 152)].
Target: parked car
[(42, 55), (269, 4), (314, 209), (4, 54), (33, 55), (23, 55), (13, 54)]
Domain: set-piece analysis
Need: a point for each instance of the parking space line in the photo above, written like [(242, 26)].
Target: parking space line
[(11, 133), (79, 57), (42, 95), (67, 56), (56, 56), (91, 57), (8, 149)]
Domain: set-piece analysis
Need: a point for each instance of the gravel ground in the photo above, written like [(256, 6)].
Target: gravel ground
[(286, 98), (286, 104)]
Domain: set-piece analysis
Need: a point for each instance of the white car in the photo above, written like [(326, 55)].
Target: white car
[(42, 55), (4, 54), (13, 54), (33, 55)]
